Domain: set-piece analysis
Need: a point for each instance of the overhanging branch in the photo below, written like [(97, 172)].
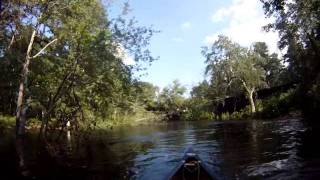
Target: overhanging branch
[(11, 42), (44, 48)]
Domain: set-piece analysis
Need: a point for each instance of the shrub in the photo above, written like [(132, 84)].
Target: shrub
[(278, 104), (197, 114)]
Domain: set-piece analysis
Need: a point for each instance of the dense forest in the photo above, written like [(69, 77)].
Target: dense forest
[(63, 61)]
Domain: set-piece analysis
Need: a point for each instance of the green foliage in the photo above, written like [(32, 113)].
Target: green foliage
[(219, 59), (145, 94), (197, 114), (244, 113), (171, 97), (197, 109), (82, 76), (279, 104), (199, 106), (234, 70), (298, 25), (271, 64), (248, 70), (6, 122), (140, 116), (232, 66)]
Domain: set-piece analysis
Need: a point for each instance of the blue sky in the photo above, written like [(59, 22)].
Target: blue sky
[(187, 25)]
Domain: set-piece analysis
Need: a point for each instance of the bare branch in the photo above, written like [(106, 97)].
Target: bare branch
[(245, 85), (41, 51), (11, 42), (31, 43)]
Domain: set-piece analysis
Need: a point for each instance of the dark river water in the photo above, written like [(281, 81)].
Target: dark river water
[(285, 149)]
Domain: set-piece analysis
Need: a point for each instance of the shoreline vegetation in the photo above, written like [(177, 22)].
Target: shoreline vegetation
[(7, 123)]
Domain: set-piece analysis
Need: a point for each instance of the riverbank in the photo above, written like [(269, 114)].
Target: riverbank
[(146, 117), (8, 123), (290, 115)]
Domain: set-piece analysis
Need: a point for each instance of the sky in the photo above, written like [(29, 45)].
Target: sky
[(188, 25)]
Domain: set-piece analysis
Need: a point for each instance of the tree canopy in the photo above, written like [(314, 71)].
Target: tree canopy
[(298, 25), (171, 97), (65, 56), (231, 65)]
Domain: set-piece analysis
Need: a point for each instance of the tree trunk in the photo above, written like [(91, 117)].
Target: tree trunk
[(20, 117), (21, 152), (21, 114), (253, 107), (250, 92)]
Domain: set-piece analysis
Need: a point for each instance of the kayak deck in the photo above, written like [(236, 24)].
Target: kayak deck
[(191, 167)]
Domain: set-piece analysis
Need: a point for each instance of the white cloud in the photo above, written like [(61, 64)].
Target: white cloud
[(240, 10), (124, 56), (220, 15), (128, 60), (177, 39), (186, 25), (210, 39), (245, 20)]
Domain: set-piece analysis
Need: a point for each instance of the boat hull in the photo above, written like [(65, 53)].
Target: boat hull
[(191, 167)]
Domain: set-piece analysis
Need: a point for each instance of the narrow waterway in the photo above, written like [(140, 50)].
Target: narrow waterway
[(233, 149)]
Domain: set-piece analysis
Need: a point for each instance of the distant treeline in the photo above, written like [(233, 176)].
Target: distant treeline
[(233, 104)]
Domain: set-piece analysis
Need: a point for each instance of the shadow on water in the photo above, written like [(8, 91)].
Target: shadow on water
[(309, 151), (233, 149)]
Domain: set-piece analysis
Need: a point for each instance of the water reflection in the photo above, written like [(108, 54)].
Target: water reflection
[(233, 149), (271, 150)]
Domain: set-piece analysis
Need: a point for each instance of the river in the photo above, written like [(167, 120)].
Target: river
[(281, 149)]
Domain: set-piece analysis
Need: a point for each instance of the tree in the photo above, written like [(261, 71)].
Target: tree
[(231, 64), (298, 25), (71, 69), (145, 94), (272, 65), (35, 14), (202, 90), (252, 76), (63, 58), (200, 104), (218, 60), (171, 97)]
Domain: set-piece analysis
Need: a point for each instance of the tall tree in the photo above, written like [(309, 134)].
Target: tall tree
[(298, 24), (145, 94), (271, 64), (171, 97), (231, 65), (218, 59), (252, 76), (35, 15), (202, 101)]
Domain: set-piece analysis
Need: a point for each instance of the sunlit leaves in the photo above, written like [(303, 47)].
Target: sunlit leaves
[(82, 69)]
